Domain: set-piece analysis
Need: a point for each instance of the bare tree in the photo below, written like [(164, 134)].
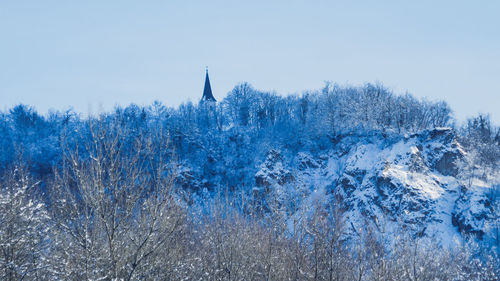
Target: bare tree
[(24, 229), (115, 210)]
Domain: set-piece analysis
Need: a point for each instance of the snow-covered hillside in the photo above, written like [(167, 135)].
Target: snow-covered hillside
[(410, 182), (345, 183)]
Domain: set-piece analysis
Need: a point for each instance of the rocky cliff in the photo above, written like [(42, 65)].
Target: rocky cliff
[(412, 182)]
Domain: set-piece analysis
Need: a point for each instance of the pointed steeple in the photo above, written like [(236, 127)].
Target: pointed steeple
[(207, 91)]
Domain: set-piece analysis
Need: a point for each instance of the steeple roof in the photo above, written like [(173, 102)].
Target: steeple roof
[(207, 91)]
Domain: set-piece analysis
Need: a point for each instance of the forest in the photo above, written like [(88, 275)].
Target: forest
[(161, 193)]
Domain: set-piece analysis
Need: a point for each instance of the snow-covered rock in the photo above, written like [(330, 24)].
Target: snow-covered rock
[(410, 183), (272, 171)]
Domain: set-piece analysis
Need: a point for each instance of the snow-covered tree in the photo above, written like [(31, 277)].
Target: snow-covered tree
[(24, 229), (115, 212)]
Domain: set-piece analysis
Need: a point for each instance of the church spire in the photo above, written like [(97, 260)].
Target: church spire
[(207, 91)]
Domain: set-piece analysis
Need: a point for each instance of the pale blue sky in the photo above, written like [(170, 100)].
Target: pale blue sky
[(94, 54)]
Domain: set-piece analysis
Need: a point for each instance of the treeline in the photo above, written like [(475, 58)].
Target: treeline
[(208, 138), (245, 120), (336, 110)]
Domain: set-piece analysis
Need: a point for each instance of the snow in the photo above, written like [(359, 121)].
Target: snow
[(420, 198)]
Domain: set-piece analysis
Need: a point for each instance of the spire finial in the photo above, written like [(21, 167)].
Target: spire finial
[(206, 69)]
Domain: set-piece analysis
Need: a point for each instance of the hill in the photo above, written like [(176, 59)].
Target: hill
[(345, 180)]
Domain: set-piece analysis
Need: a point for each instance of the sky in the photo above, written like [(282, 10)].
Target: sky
[(92, 55)]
